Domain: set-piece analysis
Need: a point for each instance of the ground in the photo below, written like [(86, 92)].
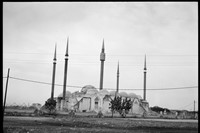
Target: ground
[(85, 124)]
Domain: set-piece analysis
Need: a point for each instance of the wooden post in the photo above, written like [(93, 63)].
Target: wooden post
[(6, 92)]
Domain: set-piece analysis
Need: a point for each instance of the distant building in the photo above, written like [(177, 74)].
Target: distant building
[(89, 99), (184, 114), (36, 105)]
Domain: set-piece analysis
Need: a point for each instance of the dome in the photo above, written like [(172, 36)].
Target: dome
[(88, 87), (67, 94), (104, 92), (123, 94), (112, 93), (132, 95), (139, 97)]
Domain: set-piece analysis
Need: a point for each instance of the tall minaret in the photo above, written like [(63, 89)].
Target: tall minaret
[(117, 91), (65, 70), (53, 75), (102, 59), (145, 71)]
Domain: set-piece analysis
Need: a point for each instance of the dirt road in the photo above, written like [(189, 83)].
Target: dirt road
[(19, 124)]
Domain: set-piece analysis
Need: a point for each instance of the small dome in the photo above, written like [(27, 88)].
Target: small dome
[(112, 93), (139, 97), (67, 94), (132, 95), (104, 92), (87, 87), (123, 94)]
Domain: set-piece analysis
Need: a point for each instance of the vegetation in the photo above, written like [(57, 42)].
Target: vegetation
[(158, 109), (121, 106), (50, 105)]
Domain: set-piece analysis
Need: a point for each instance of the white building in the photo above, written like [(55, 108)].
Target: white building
[(90, 99)]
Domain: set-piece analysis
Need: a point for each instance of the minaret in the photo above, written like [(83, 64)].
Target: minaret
[(145, 71), (65, 70), (53, 75), (117, 91), (102, 59), (63, 102)]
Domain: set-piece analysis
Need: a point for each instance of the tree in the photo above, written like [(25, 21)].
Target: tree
[(121, 106), (50, 105), (114, 104), (125, 107), (158, 109), (128, 105)]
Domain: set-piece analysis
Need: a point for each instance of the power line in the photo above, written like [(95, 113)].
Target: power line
[(77, 54), (104, 88), (163, 88), (108, 63), (186, 105), (42, 82), (96, 64)]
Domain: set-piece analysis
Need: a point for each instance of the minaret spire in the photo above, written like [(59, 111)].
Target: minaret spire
[(145, 62), (117, 78), (53, 75), (55, 53), (102, 59), (103, 47), (145, 71), (66, 54)]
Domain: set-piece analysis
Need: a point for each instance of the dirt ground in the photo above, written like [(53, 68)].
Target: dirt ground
[(67, 124)]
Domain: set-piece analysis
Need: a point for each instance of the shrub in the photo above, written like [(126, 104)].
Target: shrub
[(50, 105), (121, 106)]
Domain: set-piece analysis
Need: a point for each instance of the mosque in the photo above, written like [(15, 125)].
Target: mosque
[(90, 99)]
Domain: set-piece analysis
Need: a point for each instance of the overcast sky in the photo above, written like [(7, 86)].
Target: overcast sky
[(166, 32)]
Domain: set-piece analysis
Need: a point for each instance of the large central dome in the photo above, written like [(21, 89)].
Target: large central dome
[(67, 94), (88, 87)]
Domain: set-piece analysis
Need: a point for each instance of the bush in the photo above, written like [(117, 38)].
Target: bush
[(158, 109), (121, 106), (50, 105)]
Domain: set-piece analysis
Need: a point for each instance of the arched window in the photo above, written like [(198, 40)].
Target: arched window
[(136, 101), (96, 102), (106, 98)]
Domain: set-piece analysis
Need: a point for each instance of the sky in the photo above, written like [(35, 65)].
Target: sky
[(166, 32)]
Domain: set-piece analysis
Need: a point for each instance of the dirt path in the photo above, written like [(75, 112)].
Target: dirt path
[(85, 124)]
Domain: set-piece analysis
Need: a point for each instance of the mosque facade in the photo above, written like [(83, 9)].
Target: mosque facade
[(90, 99)]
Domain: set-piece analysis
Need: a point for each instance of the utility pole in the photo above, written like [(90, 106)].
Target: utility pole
[(6, 92)]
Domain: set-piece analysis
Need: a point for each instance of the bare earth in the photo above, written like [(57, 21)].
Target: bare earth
[(67, 124)]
